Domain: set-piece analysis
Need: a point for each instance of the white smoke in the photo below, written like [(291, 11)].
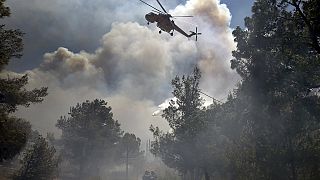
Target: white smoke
[(165, 105), (133, 68)]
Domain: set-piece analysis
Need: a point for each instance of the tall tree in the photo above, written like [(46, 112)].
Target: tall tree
[(90, 137), (176, 148), (11, 40), (277, 56), (13, 93)]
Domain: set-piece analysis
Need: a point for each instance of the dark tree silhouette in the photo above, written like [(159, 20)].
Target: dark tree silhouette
[(13, 93)]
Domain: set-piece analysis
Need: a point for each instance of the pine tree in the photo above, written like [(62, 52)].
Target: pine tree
[(13, 93), (90, 137), (177, 148), (39, 162), (278, 59)]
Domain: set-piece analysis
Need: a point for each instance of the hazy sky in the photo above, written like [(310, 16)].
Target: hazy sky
[(103, 49)]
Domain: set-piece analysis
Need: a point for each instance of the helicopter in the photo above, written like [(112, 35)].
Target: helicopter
[(164, 22)]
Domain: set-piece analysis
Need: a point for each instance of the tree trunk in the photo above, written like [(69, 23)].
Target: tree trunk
[(81, 168), (184, 176), (292, 161), (192, 174), (206, 175)]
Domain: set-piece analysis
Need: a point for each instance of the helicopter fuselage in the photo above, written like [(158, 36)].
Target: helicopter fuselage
[(163, 21)]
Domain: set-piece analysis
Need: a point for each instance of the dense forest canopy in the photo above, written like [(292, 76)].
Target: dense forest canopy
[(269, 126)]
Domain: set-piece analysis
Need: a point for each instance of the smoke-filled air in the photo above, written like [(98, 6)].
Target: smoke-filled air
[(131, 90)]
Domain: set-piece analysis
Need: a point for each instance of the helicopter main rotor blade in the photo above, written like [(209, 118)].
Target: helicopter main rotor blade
[(156, 11), (151, 6), (162, 7), (182, 16)]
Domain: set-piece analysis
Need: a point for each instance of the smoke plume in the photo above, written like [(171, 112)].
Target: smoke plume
[(133, 66)]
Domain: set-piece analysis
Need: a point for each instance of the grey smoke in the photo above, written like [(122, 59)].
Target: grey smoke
[(133, 66)]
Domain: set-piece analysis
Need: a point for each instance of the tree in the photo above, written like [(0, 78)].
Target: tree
[(181, 115), (90, 137), (39, 162), (14, 135), (13, 93), (11, 40), (307, 16), (130, 146), (184, 116), (277, 56)]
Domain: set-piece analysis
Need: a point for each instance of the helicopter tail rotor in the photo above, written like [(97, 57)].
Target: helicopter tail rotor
[(195, 33)]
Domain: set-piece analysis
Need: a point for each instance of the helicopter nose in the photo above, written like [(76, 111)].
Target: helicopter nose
[(150, 18)]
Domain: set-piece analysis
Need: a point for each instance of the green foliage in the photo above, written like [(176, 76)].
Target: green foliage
[(4, 11), (278, 58), (182, 114), (14, 133), (269, 127), (13, 93), (10, 45), (39, 162), (10, 40), (177, 148), (131, 143), (90, 137)]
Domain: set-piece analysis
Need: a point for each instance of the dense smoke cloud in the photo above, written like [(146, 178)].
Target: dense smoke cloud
[(133, 67), (76, 25)]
